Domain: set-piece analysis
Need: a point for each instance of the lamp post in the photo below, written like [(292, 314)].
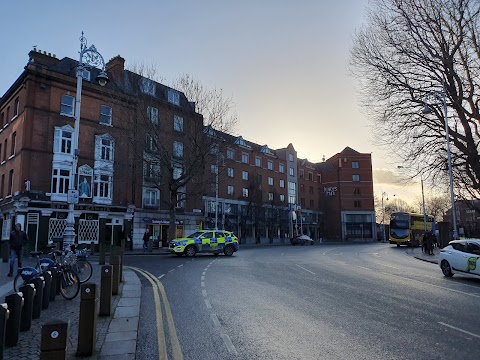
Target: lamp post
[(89, 57), (384, 195), (219, 155), (442, 97)]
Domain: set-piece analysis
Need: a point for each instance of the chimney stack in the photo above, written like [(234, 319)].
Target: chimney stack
[(115, 68)]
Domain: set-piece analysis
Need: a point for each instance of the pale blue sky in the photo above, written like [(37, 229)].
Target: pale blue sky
[(285, 63)]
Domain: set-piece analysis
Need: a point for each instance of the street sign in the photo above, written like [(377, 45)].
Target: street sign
[(72, 197)]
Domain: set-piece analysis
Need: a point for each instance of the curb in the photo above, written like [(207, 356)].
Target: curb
[(433, 261), (121, 336)]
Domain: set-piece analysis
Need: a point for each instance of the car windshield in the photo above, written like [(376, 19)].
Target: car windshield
[(399, 224)]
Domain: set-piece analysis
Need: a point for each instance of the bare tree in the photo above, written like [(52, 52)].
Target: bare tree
[(406, 50), (171, 137)]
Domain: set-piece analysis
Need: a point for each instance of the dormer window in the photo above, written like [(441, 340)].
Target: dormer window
[(148, 87), (241, 142), (86, 75), (173, 97), (266, 150)]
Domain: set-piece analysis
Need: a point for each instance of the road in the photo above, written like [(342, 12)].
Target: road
[(369, 301)]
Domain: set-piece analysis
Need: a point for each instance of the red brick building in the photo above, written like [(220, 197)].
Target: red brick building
[(257, 186)]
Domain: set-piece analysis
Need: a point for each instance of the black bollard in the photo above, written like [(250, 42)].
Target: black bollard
[(87, 327), (101, 257), (15, 304), (28, 292), (53, 344), (53, 285), (115, 262), (106, 290), (47, 275), (92, 248), (5, 250), (4, 313), (39, 284)]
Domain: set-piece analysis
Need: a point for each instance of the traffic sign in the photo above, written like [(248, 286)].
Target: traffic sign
[(72, 197)]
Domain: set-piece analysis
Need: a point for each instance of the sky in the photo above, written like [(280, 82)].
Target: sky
[(283, 62)]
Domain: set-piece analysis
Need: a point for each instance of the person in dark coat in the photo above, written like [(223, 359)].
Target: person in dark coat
[(18, 238), (430, 242), (146, 237)]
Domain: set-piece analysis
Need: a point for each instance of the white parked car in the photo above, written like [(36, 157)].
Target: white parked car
[(460, 257)]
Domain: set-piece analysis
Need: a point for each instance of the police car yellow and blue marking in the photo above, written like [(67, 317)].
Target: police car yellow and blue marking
[(207, 243)]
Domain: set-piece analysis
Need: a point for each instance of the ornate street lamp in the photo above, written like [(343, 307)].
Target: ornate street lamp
[(441, 96), (89, 57)]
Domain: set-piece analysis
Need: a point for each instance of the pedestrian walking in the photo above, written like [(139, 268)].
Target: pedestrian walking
[(430, 240), (18, 238), (146, 237), (424, 243)]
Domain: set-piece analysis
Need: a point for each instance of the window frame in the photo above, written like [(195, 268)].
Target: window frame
[(178, 123), (107, 115), (64, 105), (177, 150), (245, 158)]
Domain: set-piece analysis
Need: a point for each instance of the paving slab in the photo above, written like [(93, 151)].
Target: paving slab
[(123, 324), (119, 336), (119, 347), (130, 294), (127, 312), (132, 287), (129, 302)]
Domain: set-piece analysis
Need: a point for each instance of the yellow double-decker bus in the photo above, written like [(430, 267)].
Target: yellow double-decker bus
[(408, 228)]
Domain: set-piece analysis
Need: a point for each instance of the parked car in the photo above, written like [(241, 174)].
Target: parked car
[(460, 257), (301, 240), (205, 241)]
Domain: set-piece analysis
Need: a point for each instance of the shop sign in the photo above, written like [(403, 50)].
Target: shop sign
[(160, 222), (330, 191)]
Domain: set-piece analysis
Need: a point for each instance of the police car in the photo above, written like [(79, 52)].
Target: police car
[(205, 241)]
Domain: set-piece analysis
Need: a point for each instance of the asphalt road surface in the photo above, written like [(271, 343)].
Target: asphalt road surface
[(369, 301)]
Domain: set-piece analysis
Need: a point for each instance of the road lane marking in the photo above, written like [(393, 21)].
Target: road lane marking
[(171, 270), (202, 284), (207, 303), (204, 293), (175, 344), (458, 329), (215, 320), (390, 266), (162, 346), (311, 272), (180, 265), (161, 276), (202, 278), (364, 268), (228, 343), (203, 273), (282, 254)]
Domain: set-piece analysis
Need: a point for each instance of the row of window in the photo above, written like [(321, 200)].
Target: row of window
[(9, 189), (63, 138), (102, 183), (5, 115), (150, 87), (5, 152), (231, 191)]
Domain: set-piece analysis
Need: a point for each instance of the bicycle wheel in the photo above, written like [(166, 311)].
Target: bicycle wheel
[(84, 270), (69, 284), (18, 282)]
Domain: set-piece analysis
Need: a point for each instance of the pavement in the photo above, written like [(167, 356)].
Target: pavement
[(420, 255), (116, 334)]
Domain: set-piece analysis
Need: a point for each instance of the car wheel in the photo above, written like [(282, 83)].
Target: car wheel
[(229, 250), (446, 269), (190, 251)]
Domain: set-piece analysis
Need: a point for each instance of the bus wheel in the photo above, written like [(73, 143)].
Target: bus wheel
[(398, 245)]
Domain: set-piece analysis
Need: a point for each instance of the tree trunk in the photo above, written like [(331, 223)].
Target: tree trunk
[(172, 227)]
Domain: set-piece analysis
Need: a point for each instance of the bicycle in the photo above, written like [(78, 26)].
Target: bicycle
[(69, 280), (77, 259)]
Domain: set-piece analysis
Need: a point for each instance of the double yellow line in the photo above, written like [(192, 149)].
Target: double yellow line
[(159, 290)]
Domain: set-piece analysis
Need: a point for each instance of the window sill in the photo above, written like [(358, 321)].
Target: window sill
[(13, 118), (3, 162), (8, 196), (6, 125), (68, 115), (105, 124), (11, 156)]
